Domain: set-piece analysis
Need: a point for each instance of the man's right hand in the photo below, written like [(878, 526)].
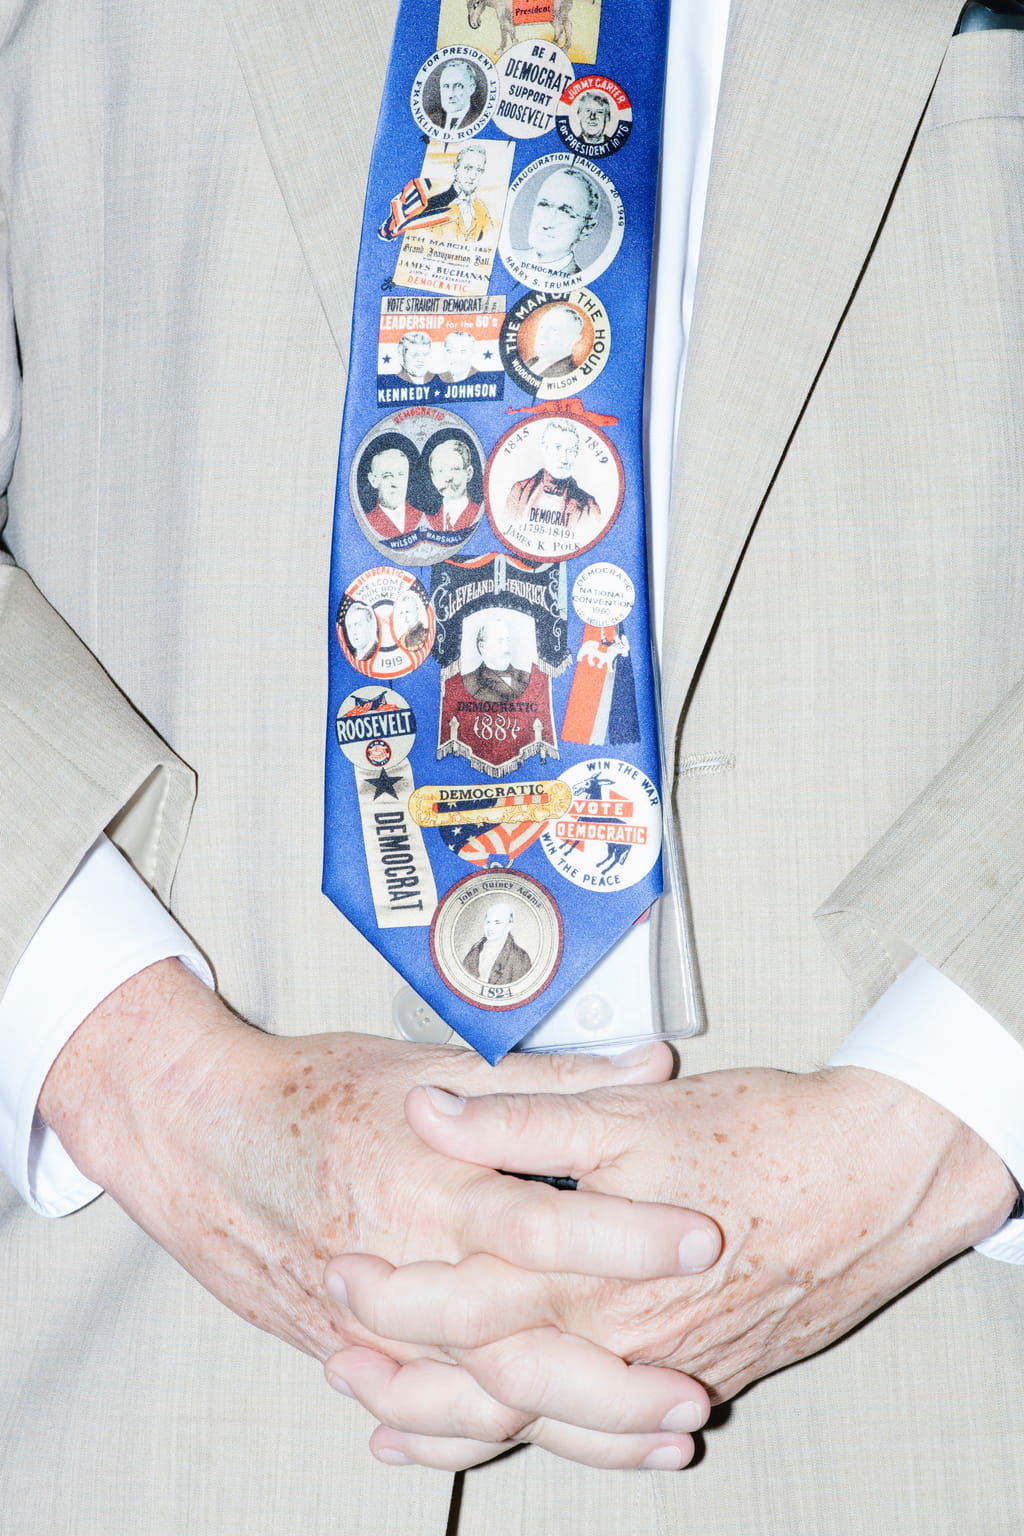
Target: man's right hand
[(252, 1157)]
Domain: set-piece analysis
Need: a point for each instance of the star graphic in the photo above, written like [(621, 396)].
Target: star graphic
[(386, 357), (488, 354), (384, 784)]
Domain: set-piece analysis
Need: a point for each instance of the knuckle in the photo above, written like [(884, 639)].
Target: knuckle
[(468, 1317), (533, 1226), (517, 1378), (494, 1424)]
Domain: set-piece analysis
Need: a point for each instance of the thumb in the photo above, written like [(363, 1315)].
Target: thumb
[(548, 1133)]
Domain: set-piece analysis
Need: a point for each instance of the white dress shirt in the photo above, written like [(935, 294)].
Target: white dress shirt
[(107, 926)]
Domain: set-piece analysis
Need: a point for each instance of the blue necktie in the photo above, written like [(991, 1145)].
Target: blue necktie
[(493, 812)]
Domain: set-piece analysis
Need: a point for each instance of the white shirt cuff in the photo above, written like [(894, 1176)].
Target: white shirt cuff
[(105, 926), (927, 1033)]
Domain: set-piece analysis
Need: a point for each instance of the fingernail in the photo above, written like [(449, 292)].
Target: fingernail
[(337, 1290), (698, 1250), (392, 1458), (446, 1103), (683, 1419), (632, 1058), (666, 1458), (341, 1385)]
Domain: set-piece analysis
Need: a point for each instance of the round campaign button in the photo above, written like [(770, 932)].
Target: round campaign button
[(554, 486), (555, 347), (594, 117), (603, 594), (610, 837), (496, 939), (375, 726), (385, 624), (532, 77), (454, 94), (416, 480), (563, 225)]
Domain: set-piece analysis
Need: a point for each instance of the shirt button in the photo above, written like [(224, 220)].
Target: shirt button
[(416, 1022), (594, 1013)]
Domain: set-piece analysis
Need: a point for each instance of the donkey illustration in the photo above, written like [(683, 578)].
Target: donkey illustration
[(614, 853), (503, 11)]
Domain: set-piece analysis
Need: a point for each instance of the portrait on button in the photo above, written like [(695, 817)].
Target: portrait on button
[(594, 117), (555, 347), (383, 473), (358, 634), (457, 481), (496, 939), (496, 957), (554, 487), (563, 227), (416, 482), (454, 93), (385, 624)]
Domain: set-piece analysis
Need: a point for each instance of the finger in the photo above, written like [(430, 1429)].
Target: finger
[(396, 1449), (566, 1071), (521, 1132), (538, 1227), (540, 1374), (424, 1397), (534, 1227), (447, 1306), (586, 1446), (547, 1374)]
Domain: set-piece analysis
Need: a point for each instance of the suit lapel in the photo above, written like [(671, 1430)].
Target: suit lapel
[(315, 71), (819, 106)]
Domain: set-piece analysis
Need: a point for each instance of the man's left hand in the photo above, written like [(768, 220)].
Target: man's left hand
[(834, 1190)]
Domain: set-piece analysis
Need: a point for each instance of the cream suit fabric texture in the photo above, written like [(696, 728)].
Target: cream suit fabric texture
[(180, 195)]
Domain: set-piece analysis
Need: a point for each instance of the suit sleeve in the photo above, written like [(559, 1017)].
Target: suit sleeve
[(75, 758), (946, 882)]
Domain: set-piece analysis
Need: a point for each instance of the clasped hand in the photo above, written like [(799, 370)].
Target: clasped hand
[(252, 1157), (834, 1191)]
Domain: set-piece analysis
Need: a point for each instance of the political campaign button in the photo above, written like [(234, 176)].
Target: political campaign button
[(439, 351), (385, 624), (603, 594), (375, 726), (553, 487), (532, 77), (474, 805), (611, 836), (563, 225), (454, 94), (416, 480), (594, 117), (555, 347), (496, 939), (489, 825)]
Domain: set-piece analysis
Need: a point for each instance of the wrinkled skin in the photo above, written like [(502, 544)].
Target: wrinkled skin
[(834, 1191), (251, 1158)]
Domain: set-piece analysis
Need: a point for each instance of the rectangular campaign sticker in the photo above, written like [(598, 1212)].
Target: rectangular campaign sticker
[(436, 351), (450, 245)]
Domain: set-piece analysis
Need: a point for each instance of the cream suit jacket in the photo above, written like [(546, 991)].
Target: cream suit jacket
[(181, 189)]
